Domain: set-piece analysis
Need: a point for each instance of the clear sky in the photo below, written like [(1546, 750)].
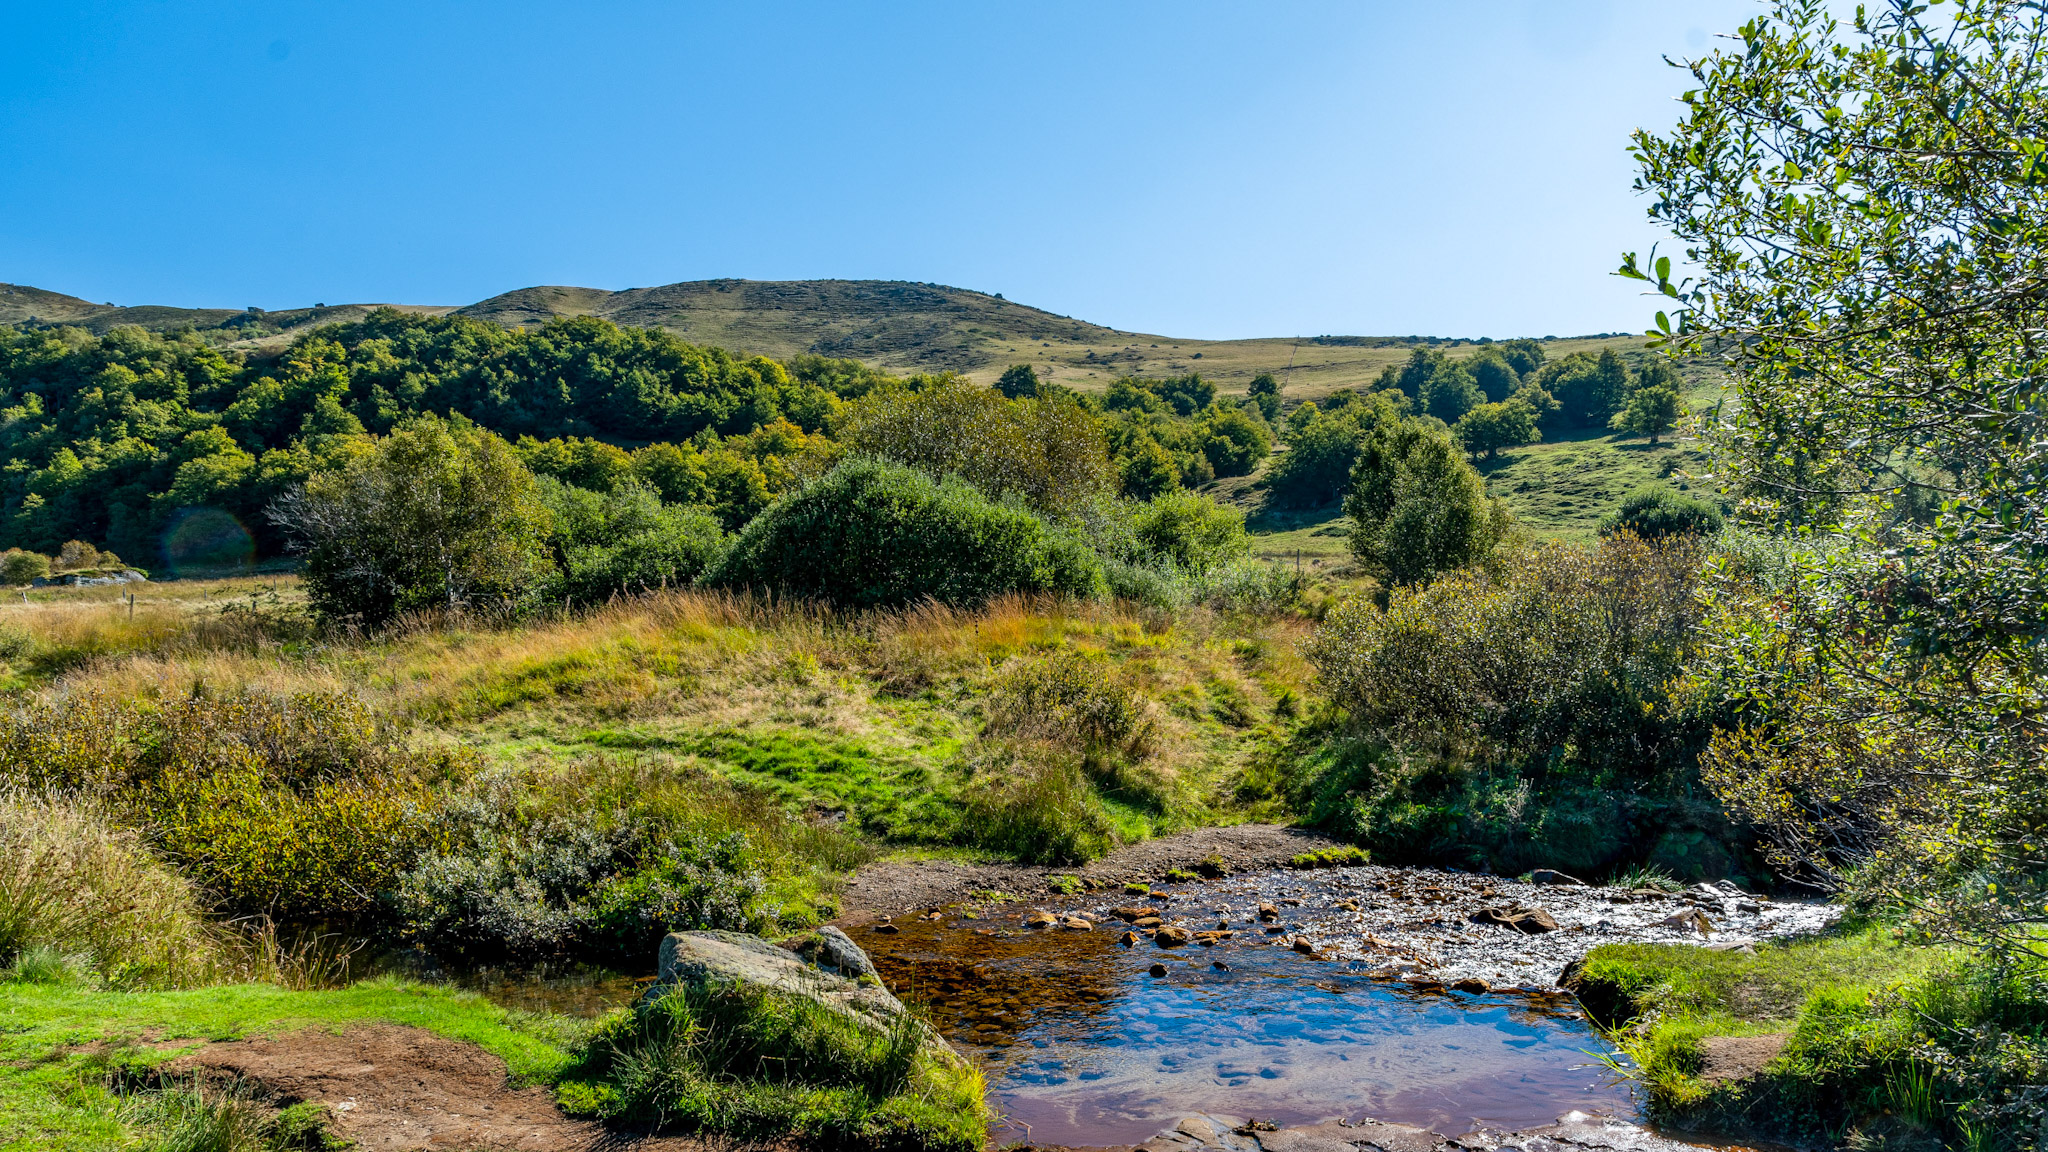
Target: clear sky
[(1449, 167)]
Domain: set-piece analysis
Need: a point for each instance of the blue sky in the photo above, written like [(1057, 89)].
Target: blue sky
[(1187, 168)]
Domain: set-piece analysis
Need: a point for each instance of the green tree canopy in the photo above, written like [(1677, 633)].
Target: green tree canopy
[(1865, 202), (439, 514), (1651, 411), (1018, 382), (1487, 429), (1417, 508)]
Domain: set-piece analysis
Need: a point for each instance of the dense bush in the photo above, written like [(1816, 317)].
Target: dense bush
[(1048, 453), (625, 540), (873, 533), (1654, 513), (757, 1064), (1190, 532), (600, 859), (439, 515), (20, 567), (1528, 715), (301, 807), (1234, 442), (1489, 428)]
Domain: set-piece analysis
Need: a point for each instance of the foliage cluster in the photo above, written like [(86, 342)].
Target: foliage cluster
[(878, 534), (298, 807), (1866, 201), (1521, 715), (113, 438)]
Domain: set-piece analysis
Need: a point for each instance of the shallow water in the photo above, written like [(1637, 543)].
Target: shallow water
[(1082, 1046)]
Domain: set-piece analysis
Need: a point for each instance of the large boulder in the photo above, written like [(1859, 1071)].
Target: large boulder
[(728, 958)]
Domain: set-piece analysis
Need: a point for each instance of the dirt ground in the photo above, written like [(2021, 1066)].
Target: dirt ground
[(397, 1089), (887, 889), (1725, 1059)]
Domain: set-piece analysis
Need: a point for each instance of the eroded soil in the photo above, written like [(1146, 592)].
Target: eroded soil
[(395, 1089)]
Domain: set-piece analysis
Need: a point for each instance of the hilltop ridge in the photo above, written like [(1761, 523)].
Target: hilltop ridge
[(896, 325)]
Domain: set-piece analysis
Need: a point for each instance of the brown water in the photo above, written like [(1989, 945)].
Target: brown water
[(1083, 1047)]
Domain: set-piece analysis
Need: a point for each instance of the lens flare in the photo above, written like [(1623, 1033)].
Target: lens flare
[(207, 539)]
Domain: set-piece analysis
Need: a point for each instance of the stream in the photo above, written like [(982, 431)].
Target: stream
[(1346, 994)]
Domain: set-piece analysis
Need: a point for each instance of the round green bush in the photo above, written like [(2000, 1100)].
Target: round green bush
[(876, 534), (1653, 513)]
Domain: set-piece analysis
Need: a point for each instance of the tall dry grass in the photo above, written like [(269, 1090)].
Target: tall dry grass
[(73, 882)]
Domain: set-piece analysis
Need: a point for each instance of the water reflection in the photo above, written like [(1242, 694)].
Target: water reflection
[(1082, 1046)]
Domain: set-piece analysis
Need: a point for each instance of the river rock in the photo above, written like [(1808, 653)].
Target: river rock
[(1268, 912), (1529, 922), (1039, 918), (1692, 919), (830, 950), (695, 959), (1171, 937)]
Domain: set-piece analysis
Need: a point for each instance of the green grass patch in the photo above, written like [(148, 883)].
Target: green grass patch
[(1565, 487), (1885, 1044)]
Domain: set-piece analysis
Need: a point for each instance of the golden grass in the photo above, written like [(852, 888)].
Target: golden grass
[(655, 674)]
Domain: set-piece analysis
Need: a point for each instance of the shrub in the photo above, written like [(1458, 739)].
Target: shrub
[(72, 883), (1235, 443), (1190, 532), (19, 567), (300, 807), (600, 859), (439, 515), (1488, 428), (874, 534), (77, 554), (626, 540), (1048, 453), (1522, 717), (1074, 701), (1655, 512), (1566, 648)]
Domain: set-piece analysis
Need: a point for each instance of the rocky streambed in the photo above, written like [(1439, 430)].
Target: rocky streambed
[(1425, 1000)]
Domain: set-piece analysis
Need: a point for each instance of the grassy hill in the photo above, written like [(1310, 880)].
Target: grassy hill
[(894, 325)]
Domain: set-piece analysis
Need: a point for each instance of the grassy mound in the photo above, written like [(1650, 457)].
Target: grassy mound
[(1854, 1039), (756, 1064)]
